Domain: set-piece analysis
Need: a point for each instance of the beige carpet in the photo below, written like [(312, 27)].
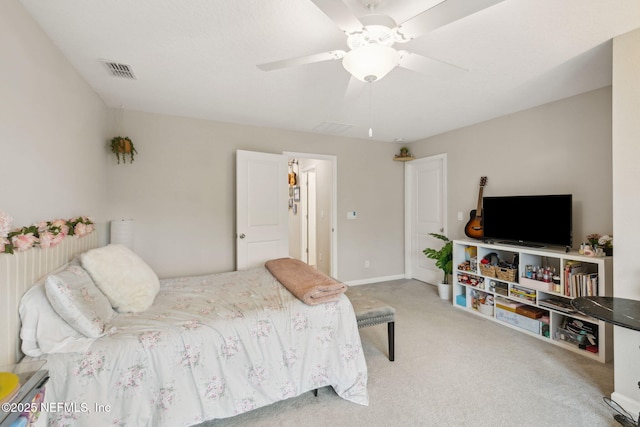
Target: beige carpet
[(453, 369)]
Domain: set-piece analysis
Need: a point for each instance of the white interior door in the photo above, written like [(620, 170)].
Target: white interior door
[(261, 208), (426, 211)]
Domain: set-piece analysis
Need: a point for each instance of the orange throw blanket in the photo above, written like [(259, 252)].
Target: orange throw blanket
[(308, 284)]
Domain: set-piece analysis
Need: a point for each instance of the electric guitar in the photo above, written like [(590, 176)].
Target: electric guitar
[(474, 227)]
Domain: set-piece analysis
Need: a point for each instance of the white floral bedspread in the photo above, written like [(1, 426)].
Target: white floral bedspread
[(210, 347)]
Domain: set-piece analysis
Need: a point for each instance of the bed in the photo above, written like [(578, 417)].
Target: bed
[(208, 347)]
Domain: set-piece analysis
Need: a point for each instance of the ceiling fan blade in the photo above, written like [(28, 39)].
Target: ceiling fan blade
[(441, 14), (425, 65), (340, 14), (303, 60)]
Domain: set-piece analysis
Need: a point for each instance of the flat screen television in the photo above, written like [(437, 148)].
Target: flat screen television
[(529, 220)]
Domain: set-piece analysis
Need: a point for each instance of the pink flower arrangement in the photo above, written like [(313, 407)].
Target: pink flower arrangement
[(4, 243), (5, 227), (80, 226), (46, 234), (51, 233), (5, 224), (23, 241)]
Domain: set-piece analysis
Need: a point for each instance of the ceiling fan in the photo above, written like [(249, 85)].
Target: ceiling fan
[(371, 37)]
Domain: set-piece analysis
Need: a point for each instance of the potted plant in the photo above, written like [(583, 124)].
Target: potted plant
[(123, 146), (444, 261)]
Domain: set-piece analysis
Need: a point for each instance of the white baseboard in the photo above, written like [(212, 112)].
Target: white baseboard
[(630, 405), (374, 280)]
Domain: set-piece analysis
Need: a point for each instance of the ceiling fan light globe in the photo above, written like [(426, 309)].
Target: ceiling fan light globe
[(371, 61)]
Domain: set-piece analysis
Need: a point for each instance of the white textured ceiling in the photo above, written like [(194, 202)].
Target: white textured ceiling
[(197, 58)]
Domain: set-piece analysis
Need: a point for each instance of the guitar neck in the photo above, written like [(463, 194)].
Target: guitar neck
[(479, 207)]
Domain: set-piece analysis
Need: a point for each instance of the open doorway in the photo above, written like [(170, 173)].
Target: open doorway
[(308, 211), (312, 211)]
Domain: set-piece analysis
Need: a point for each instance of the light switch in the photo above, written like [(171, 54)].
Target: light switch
[(351, 215)]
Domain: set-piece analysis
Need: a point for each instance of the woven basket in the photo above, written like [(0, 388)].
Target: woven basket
[(488, 270), (508, 274)]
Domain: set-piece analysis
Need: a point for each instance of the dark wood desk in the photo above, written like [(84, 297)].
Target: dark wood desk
[(618, 311)]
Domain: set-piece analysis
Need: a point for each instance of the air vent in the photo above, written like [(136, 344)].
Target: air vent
[(119, 70), (332, 128)]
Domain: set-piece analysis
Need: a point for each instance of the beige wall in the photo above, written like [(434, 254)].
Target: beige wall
[(561, 147), (52, 128), (626, 204), (181, 192)]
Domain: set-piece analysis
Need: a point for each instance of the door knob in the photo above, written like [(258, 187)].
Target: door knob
[(242, 236), (442, 230)]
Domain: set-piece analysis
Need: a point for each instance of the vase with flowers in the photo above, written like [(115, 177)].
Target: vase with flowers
[(593, 240), (606, 243)]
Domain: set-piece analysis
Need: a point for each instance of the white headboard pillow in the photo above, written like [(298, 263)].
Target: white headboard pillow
[(43, 331), (126, 280), (76, 299)]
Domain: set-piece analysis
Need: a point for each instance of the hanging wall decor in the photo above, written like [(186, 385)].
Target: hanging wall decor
[(293, 177), (123, 146)]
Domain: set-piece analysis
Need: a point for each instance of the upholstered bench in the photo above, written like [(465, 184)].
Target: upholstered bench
[(370, 311)]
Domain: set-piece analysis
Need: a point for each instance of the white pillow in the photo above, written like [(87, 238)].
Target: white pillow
[(76, 299), (126, 280), (42, 330)]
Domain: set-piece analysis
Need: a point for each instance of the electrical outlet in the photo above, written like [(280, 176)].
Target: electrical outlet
[(367, 264)]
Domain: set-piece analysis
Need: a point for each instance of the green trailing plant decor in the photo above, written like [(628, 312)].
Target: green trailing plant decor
[(123, 146), (442, 256)]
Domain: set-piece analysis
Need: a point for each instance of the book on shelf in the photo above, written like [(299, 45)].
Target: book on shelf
[(507, 304), (571, 268), (584, 284), (578, 282), (557, 304), (523, 293)]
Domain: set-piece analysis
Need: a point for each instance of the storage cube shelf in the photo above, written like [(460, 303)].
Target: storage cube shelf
[(538, 308)]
